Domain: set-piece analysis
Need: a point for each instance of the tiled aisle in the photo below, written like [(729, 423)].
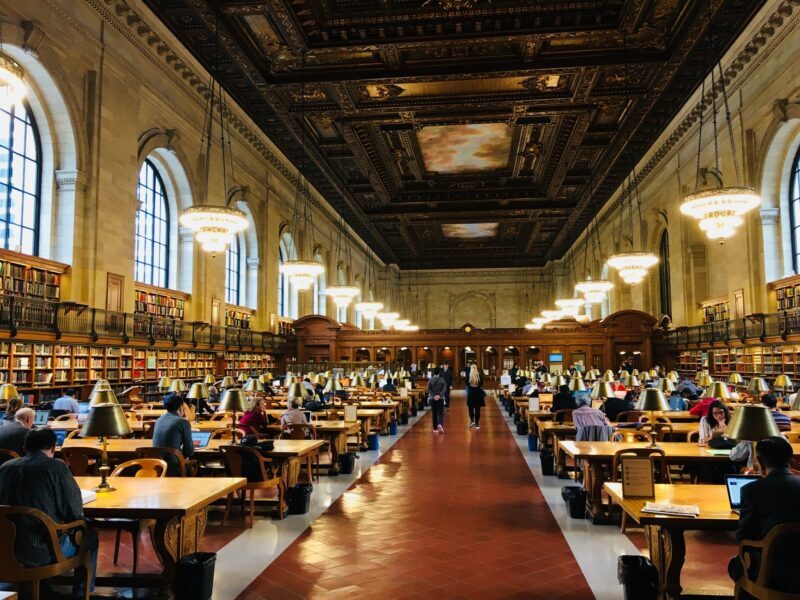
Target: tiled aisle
[(452, 516)]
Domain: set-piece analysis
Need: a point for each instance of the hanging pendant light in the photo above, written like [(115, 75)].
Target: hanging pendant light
[(632, 266), (12, 87), (408, 328), (342, 295), (569, 307), (388, 318), (718, 210), (400, 323), (552, 315), (302, 273), (594, 291), (369, 308)]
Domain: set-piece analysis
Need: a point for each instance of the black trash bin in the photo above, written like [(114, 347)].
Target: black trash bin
[(194, 576), (522, 428), (548, 462), (404, 419), (575, 497), (414, 411), (347, 463), (299, 498), (516, 417), (638, 577)]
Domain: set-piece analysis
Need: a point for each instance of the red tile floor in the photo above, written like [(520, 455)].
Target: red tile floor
[(439, 516)]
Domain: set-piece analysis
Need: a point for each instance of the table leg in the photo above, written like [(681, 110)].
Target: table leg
[(593, 480), (177, 537), (668, 553), (333, 444)]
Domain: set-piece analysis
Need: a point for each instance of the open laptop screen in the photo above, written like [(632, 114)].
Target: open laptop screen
[(200, 439), (40, 418), (735, 483)]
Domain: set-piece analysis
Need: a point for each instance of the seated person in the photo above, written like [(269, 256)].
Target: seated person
[(613, 406), (701, 408), (256, 418), (293, 415), (12, 436), (269, 390), (563, 400), (528, 387), (618, 386), (389, 386), (306, 384), (688, 386), (782, 420), (40, 481), (590, 423), (676, 401), (11, 409), (172, 430), (66, 404), (767, 503), (714, 422)]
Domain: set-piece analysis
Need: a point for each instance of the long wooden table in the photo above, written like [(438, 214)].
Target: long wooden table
[(178, 505), (665, 534)]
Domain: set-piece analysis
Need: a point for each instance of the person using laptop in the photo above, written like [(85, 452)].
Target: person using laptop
[(172, 430), (255, 419), (12, 436), (768, 502), (293, 415), (66, 404)]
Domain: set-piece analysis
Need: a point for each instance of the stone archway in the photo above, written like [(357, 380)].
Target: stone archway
[(472, 307)]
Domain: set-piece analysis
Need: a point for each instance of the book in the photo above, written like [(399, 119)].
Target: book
[(666, 508)]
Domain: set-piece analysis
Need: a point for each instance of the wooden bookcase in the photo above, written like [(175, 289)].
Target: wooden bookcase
[(159, 302), (716, 310), (786, 293), (250, 363), (238, 316), (30, 276)]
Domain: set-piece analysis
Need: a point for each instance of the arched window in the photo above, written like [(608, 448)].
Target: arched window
[(20, 180), (664, 286), (152, 228), (233, 272), (794, 212), (283, 285)]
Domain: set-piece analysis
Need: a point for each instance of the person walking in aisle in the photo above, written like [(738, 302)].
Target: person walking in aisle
[(447, 375), (476, 397), (437, 388)]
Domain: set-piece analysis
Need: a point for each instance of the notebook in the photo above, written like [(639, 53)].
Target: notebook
[(734, 484), (200, 439), (40, 418)]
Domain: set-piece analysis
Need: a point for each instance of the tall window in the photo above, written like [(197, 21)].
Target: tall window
[(152, 228), (283, 285), (20, 180), (794, 212), (664, 285), (233, 272)]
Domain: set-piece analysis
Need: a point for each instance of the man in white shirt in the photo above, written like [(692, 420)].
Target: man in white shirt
[(67, 402)]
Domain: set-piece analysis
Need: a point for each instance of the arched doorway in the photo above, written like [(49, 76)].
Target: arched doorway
[(383, 355), (424, 358), (469, 356), (404, 357), (362, 355), (489, 360), (510, 357), (446, 355)]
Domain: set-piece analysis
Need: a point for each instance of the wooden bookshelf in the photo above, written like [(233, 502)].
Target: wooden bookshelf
[(238, 316), (786, 292), (30, 276), (159, 302), (249, 363), (718, 309)]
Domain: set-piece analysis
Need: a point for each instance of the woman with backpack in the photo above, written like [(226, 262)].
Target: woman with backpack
[(437, 389), (476, 397)]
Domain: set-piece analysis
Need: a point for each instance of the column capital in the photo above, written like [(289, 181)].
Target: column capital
[(71, 180), (769, 216), (253, 264)]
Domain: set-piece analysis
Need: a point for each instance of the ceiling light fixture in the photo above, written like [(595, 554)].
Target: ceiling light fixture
[(570, 306), (632, 266), (369, 309), (12, 87), (342, 295)]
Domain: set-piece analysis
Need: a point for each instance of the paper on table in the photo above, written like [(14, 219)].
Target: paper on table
[(666, 508), (403, 392), (533, 404), (88, 495), (637, 477), (718, 452)]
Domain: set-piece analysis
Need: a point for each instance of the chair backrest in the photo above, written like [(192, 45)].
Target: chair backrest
[(300, 432), (66, 417), (563, 415), (147, 429), (656, 455), (629, 416), (14, 518), (241, 461), (219, 416), (141, 467), (776, 580), (6, 455), (225, 434), (80, 459), (631, 435), (168, 455), (694, 436), (75, 433)]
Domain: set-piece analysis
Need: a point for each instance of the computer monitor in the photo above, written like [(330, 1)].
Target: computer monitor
[(40, 418), (735, 483), (200, 439), (83, 408), (61, 435)]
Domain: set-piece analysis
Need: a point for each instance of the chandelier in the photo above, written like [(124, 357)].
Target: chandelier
[(400, 323), (632, 266), (12, 88), (302, 273), (342, 295), (594, 291), (369, 309), (569, 307), (213, 226), (388, 318), (718, 210), (552, 315), (408, 327)]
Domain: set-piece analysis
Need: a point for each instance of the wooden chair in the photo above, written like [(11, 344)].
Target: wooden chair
[(142, 467), (75, 433), (629, 416), (6, 455), (220, 416), (760, 588), (82, 460), (304, 432), (792, 436), (67, 417), (268, 478), (14, 518), (563, 415), (186, 468), (226, 434), (660, 469), (631, 435)]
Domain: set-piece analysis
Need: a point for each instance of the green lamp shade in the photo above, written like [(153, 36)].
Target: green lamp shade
[(178, 385), (295, 391), (577, 385), (665, 385), (106, 420), (757, 386), (164, 383), (103, 397), (602, 389), (561, 380), (783, 382), (8, 392), (705, 380), (209, 379), (735, 378), (198, 391), (227, 382), (673, 376), (752, 423), (358, 381), (718, 390), (253, 385), (652, 400), (242, 378), (233, 400)]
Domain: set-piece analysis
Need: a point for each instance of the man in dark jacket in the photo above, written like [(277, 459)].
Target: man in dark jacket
[(767, 503), (613, 406), (12, 435), (563, 400), (172, 430), (447, 375), (437, 389)]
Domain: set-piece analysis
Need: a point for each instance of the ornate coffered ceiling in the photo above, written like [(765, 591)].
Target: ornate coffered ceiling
[(461, 133)]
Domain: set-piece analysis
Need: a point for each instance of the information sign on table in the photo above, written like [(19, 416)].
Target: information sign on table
[(350, 413), (404, 391), (637, 477), (533, 404), (505, 379)]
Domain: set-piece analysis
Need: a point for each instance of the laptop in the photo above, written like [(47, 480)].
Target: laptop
[(200, 439), (61, 435), (734, 484), (40, 418), (83, 408)]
